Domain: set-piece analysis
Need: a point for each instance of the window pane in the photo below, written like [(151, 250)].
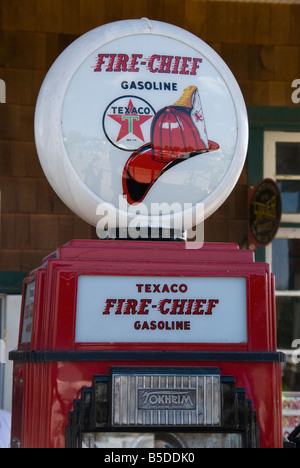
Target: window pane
[(288, 321), (290, 192), (286, 264), (291, 377), (288, 158)]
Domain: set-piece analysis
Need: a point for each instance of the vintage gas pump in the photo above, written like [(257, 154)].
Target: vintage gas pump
[(135, 343)]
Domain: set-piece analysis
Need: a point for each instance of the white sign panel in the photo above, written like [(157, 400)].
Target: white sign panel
[(112, 309), (145, 112)]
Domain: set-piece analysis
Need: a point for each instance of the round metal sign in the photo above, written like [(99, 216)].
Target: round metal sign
[(141, 117), (265, 210)]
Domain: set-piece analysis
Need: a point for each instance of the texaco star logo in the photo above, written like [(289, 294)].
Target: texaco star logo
[(127, 122)]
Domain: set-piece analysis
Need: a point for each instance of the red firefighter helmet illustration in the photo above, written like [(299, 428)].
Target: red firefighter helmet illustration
[(178, 132)]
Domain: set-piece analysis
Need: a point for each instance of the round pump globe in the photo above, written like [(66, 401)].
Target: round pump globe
[(141, 118)]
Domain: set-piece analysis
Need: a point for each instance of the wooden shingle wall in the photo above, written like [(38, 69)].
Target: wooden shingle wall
[(259, 42)]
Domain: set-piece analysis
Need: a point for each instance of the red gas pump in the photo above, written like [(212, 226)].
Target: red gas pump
[(132, 343), (174, 383)]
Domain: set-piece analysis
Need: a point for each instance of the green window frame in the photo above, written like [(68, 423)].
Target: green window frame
[(269, 126), (262, 120)]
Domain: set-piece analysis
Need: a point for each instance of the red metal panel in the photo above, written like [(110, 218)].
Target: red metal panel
[(259, 380)]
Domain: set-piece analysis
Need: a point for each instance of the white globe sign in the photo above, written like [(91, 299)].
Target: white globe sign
[(138, 114)]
